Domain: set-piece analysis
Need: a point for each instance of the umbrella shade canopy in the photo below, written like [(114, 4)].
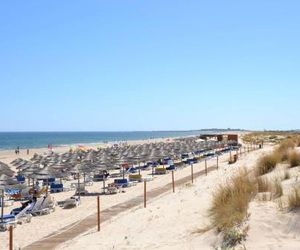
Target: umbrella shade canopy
[(44, 174), (5, 169), (7, 181)]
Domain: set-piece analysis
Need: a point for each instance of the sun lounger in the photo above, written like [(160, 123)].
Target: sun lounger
[(8, 220), (171, 167), (56, 188), (100, 177), (80, 190), (112, 190), (43, 206), (89, 183), (71, 202), (135, 177), (14, 219), (147, 178), (131, 170), (124, 183), (20, 179), (160, 170)]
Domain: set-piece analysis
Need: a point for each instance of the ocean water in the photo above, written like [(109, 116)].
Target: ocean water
[(11, 140)]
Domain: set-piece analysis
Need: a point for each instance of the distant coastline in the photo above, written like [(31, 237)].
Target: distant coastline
[(11, 140)]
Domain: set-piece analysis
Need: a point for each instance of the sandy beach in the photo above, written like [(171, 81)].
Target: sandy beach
[(187, 201), (7, 156), (175, 221)]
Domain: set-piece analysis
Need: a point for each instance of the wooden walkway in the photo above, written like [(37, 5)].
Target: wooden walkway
[(71, 231)]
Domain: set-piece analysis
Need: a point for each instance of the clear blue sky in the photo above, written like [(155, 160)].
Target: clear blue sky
[(149, 65)]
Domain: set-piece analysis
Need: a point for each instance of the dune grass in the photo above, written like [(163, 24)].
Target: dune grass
[(263, 185), (230, 202), (294, 199), (272, 186), (266, 164), (277, 189), (294, 159), (284, 149), (286, 175)]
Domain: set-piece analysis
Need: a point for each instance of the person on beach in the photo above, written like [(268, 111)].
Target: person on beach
[(27, 151)]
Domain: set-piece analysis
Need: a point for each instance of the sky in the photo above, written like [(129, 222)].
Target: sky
[(149, 65)]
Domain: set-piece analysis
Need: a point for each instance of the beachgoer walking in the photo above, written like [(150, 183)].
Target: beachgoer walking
[(27, 151)]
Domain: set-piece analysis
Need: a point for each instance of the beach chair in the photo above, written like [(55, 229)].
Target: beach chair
[(43, 205), (171, 168), (14, 219), (71, 202), (20, 179), (135, 177), (160, 170), (147, 178), (112, 188), (124, 183), (80, 189), (131, 170), (56, 188)]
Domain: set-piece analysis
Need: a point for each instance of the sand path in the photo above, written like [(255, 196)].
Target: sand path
[(70, 232)]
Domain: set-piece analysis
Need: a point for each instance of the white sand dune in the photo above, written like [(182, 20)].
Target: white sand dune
[(272, 229), (169, 222)]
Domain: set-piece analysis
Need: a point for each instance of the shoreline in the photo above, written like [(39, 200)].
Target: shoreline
[(8, 155), (116, 141)]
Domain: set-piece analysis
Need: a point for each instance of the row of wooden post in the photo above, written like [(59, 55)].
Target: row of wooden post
[(145, 193), (173, 187)]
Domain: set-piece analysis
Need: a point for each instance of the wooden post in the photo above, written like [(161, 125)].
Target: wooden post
[(98, 212), (217, 162), (173, 182), (11, 238), (192, 173), (78, 187), (145, 193), (205, 167)]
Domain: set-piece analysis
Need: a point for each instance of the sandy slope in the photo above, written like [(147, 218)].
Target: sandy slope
[(272, 229), (42, 226), (169, 222)]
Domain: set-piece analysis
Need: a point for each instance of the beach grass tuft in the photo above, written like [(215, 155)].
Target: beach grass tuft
[(263, 185), (294, 159), (286, 175), (294, 199), (230, 202), (266, 164), (277, 190)]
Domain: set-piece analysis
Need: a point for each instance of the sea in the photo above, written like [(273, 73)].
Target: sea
[(24, 140)]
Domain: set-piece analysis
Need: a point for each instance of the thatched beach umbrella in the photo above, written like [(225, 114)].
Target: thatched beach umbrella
[(4, 182), (5, 169)]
